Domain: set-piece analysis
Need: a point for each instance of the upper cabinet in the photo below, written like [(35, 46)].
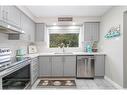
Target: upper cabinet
[(1, 13), (10, 15), (39, 33), (91, 31), (14, 16), (28, 26)]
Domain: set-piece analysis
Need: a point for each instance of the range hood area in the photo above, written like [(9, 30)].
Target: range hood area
[(10, 29)]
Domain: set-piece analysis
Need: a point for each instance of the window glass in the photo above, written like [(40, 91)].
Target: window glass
[(66, 39)]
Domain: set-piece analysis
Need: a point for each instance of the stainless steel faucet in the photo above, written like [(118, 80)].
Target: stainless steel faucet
[(63, 49), (62, 46)]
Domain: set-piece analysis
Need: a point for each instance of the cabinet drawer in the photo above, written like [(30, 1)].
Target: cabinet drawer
[(35, 60), (34, 70), (33, 66), (34, 78), (34, 63)]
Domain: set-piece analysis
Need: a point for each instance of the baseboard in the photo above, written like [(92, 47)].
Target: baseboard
[(113, 83)]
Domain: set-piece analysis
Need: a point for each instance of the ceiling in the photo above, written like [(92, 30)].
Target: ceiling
[(55, 11)]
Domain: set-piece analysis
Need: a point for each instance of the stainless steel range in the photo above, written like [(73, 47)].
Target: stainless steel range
[(14, 74)]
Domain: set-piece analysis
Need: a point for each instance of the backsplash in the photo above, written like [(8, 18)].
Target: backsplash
[(12, 44), (43, 47)]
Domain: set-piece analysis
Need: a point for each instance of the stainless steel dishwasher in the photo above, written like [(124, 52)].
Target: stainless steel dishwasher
[(85, 66)]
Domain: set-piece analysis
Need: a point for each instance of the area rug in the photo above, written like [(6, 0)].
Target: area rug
[(56, 84)]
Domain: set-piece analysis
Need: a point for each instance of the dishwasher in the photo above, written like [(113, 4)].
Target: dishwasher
[(85, 67)]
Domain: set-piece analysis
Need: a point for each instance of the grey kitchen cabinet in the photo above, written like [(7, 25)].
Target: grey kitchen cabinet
[(34, 69), (10, 15), (14, 16), (70, 66), (1, 12), (28, 26), (39, 34), (45, 63), (91, 31), (57, 66), (99, 65)]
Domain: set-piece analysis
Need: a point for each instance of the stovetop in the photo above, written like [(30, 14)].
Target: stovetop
[(11, 63)]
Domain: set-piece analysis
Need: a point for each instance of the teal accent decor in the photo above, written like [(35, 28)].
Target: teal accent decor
[(88, 48), (113, 32)]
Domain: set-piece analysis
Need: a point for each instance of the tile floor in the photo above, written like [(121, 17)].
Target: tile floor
[(97, 83)]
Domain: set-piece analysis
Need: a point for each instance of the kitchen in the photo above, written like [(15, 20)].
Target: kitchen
[(60, 48)]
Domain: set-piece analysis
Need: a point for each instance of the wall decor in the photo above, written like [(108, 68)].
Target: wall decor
[(113, 32)]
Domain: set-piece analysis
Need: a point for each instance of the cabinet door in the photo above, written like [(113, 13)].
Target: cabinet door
[(28, 26), (1, 13), (40, 28), (99, 65), (45, 66), (70, 66), (57, 66), (14, 16), (91, 31)]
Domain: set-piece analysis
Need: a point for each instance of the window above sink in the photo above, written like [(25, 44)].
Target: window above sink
[(69, 40), (70, 36)]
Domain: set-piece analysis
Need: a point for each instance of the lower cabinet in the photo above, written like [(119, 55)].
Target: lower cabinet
[(70, 66), (61, 66), (57, 66), (45, 64), (34, 69), (99, 65)]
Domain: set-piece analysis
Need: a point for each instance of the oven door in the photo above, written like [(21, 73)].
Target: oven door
[(19, 79)]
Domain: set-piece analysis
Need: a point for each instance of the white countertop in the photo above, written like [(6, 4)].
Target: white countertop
[(74, 53)]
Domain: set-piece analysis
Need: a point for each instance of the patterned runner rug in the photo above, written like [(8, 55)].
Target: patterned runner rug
[(56, 83)]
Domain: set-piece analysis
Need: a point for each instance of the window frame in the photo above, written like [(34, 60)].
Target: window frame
[(63, 27)]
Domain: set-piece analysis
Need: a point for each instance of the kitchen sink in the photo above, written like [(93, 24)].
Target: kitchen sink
[(63, 53)]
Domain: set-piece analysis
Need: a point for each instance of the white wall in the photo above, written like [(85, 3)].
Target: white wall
[(78, 20), (125, 49), (114, 47)]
